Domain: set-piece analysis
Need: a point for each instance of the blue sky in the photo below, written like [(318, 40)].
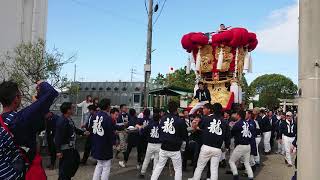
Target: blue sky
[(109, 37)]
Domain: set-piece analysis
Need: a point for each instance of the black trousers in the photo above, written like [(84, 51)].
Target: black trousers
[(272, 139), (141, 149), (87, 150), (192, 152), (68, 164), (51, 149)]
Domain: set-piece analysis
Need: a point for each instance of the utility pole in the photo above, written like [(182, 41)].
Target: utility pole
[(133, 71), (147, 66), (309, 92), (75, 73)]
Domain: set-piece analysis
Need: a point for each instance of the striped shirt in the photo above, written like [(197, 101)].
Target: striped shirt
[(9, 155)]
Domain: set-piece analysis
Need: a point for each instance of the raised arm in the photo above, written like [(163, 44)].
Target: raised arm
[(45, 99), (80, 104)]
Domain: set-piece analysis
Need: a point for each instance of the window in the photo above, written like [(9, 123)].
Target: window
[(137, 89), (86, 89), (116, 89), (108, 88), (100, 89), (93, 89), (124, 89), (136, 98)]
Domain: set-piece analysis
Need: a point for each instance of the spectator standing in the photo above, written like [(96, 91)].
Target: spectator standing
[(84, 109)]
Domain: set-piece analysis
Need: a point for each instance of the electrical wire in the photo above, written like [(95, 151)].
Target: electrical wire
[(164, 3), (110, 13), (145, 6)]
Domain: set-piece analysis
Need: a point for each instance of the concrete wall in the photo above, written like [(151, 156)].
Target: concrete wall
[(117, 92)]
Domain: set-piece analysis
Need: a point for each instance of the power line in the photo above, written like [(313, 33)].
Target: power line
[(108, 12), (145, 6), (164, 3)]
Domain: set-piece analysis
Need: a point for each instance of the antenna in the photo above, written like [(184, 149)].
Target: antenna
[(133, 71)]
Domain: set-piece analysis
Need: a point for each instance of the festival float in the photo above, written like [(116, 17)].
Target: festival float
[(221, 59)]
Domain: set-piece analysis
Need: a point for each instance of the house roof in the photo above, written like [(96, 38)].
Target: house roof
[(171, 91)]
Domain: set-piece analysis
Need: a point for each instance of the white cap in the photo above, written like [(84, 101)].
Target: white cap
[(289, 113)]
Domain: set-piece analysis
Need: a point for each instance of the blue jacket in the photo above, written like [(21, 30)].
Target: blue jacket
[(203, 95), (24, 126), (278, 128), (173, 132), (215, 131), (288, 129), (51, 125), (133, 137), (253, 126), (254, 131), (151, 132), (258, 122), (102, 136), (66, 133), (143, 121), (123, 117), (266, 125), (242, 133)]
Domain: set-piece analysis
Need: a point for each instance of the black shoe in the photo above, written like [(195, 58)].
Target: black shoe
[(236, 177), (83, 162), (141, 176), (228, 172)]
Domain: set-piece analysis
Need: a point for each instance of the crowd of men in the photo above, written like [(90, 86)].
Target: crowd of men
[(211, 137)]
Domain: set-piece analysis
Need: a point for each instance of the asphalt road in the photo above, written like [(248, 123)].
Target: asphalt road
[(273, 168)]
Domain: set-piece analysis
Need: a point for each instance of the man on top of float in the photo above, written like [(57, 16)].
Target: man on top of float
[(203, 95)]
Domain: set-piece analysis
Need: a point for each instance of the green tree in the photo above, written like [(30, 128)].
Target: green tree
[(245, 89), (180, 79), (270, 88), (159, 80), (31, 62)]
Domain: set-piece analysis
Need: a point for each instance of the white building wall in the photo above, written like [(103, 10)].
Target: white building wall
[(22, 21)]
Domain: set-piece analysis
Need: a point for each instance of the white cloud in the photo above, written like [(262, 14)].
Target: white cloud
[(280, 31)]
